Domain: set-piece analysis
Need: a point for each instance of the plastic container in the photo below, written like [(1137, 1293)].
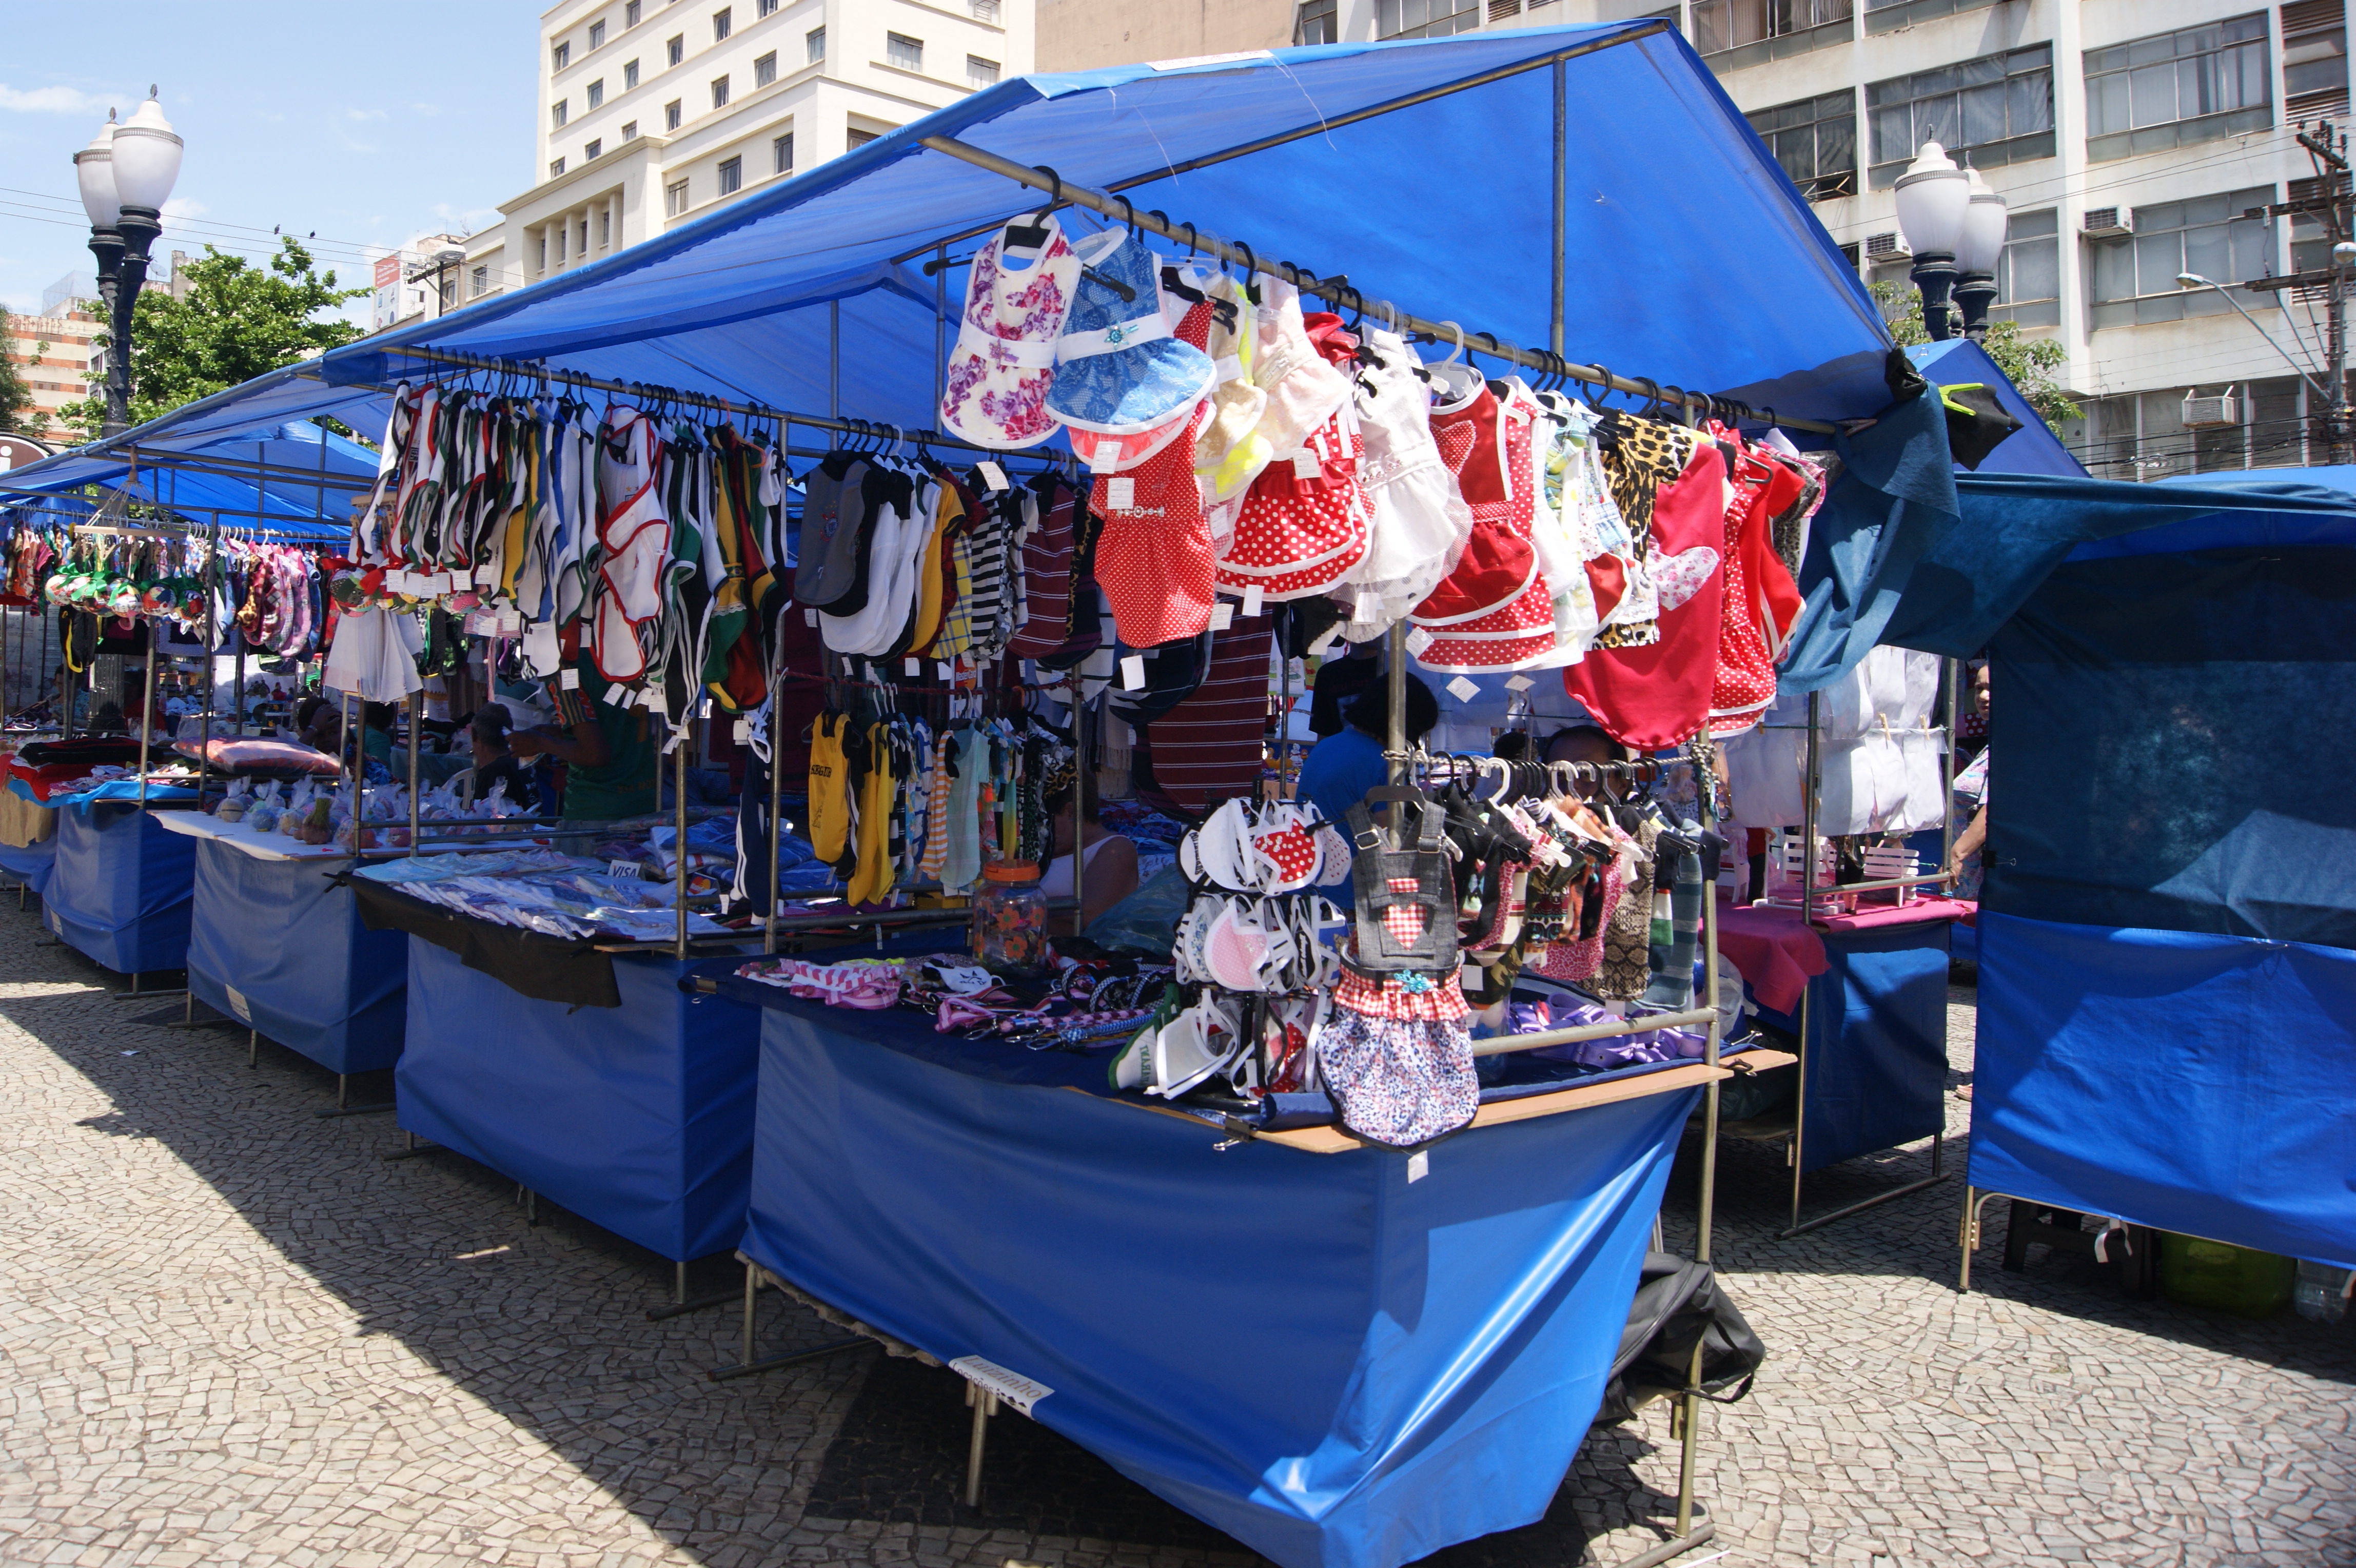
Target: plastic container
[(2320, 1293), (2230, 1279), (1009, 920)]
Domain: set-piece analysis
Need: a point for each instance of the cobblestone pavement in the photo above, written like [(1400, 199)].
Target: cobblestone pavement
[(231, 1333)]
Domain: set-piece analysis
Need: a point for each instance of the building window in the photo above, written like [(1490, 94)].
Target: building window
[(1998, 108), (979, 72), (630, 130), (732, 177), (723, 22), (984, 10), (478, 282), (781, 155), (2029, 272), (629, 76), (555, 167), (630, 14), (597, 92), (562, 232), (1315, 22), (855, 137), (1815, 141), (675, 199), (765, 8), (675, 50), (543, 250), (590, 154), (2315, 57), (561, 55), (817, 41), (903, 51), (719, 92), (597, 34), (560, 112), (2227, 239), (1723, 25), (2192, 86), (765, 69), (670, 115), (604, 227), (1425, 18)]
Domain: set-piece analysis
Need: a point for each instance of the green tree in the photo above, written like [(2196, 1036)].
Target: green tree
[(2030, 362), (17, 410), (236, 321)]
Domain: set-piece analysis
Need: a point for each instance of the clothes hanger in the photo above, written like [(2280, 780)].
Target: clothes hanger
[(1460, 379), (1033, 235)]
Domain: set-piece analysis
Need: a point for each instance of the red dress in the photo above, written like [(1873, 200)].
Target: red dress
[(1153, 559), (1657, 695), (1759, 601), (1522, 627)]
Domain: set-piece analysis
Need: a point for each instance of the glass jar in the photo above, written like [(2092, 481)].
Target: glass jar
[(1009, 920)]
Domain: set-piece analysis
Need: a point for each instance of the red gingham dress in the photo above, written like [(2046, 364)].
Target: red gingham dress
[(1153, 560)]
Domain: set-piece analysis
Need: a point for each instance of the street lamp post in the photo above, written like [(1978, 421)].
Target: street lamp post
[(1933, 200), (125, 175), (1982, 246)]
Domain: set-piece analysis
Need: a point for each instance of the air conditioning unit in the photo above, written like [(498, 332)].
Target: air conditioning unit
[(2107, 222), (2212, 413), (1886, 248)]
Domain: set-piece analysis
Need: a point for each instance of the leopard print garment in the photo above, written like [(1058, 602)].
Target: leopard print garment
[(1628, 939), (1651, 452)]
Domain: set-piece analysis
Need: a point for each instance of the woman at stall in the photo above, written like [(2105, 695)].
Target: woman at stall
[(1107, 861), (1341, 767), (494, 764), (610, 759)]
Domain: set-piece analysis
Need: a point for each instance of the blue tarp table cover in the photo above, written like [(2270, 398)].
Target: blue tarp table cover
[(31, 863), (638, 1118), (278, 946), (2196, 1082), (121, 887), (1339, 1361), (1877, 1045)]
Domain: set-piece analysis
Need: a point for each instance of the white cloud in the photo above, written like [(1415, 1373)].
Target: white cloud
[(185, 207), (364, 113), (50, 101)]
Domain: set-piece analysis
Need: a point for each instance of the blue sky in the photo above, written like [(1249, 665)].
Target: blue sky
[(368, 123)]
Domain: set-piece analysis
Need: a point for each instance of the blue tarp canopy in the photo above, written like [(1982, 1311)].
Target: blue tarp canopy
[(2031, 450), (1442, 207)]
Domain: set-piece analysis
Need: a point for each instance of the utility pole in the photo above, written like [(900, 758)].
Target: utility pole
[(2327, 151)]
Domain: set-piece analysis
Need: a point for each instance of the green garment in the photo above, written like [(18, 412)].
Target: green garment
[(627, 784)]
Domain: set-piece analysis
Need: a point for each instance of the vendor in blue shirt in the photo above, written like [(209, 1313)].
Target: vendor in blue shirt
[(1341, 767)]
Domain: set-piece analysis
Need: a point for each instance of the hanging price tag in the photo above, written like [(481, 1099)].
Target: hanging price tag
[(1464, 690), (912, 667), (1223, 616), (947, 672), (569, 679), (1418, 640), (744, 731), (1251, 601), (809, 618), (1106, 453), (1120, 494), (1132, 673), (1519, 683), (991, 475), (1305, 465)]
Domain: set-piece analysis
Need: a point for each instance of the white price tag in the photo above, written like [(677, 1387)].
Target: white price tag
[(569, 679), (1464, 690), (744, 731), (617, 696), (809, 618), (486, 577), (1012, 1388), (1417, 640), (1105, 455), (1120, 494), (1519, 683), (1132, 673), (629, 869), (1367, 604), (1305, 465), (239, 1006), (947, 672), (912, 667), (1223, 616), (1251, 601), (1418, 1164), (647, 698), (991, 475)]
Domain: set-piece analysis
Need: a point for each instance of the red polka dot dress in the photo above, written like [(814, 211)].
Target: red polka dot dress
[(1303, 523), (1756, 591), (1522, 628), (1153, 559)]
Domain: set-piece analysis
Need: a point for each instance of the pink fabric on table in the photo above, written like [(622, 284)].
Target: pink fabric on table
[(1779, 956), (1874, 916)]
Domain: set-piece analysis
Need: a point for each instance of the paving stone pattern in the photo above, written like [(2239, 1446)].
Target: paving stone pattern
[(232, 1333)]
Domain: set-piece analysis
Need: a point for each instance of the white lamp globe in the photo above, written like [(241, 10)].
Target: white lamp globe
[(146, 158), (1932, 195), (94, 172), (1984, 227)]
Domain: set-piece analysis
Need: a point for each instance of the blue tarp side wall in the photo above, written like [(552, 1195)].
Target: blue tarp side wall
[(278, 946), (2031, 450), (31, 865), (637, 1118), (1336, 1367), (1877, 1042), (2163, 731), (735, 303), (121, 890), (2198, 1083)]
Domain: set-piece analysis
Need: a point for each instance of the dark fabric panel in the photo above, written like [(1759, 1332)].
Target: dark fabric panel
[(2164, 730), (2198, 1083), (121, 889), (545, 968), (1877, 1042)]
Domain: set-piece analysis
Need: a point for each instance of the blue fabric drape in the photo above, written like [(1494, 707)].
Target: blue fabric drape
[(1877, 1042), (277, 945), (1338, 1362), (32, 863), (2198, 1083), (120, 889)]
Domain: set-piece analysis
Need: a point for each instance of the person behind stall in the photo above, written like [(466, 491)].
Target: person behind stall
[(1107, 861), (1972, 791), (494, 764), (612, 759), (108, 720), (376, 733), (319, 723), (1342, 767), (1583, 743)]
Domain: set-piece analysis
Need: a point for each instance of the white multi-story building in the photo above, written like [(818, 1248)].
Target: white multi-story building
[(654, 112), (2134, 140)]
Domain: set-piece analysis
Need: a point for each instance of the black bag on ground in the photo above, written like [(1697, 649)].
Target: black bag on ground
[(1678, 1303)]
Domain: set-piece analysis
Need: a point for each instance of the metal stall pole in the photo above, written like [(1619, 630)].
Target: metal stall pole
[(1395, 732), (1706, 799), (1283, 716), (940, 327), (1561, 192), (834, 359), (146, 705), (679, 828), (1808, 785), (416, 722), (1079, 807), (1947, 817), (776, 805)]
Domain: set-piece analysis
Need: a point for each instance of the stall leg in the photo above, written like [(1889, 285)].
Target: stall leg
[(253, 1048), (752, 1305), (985, 1405)]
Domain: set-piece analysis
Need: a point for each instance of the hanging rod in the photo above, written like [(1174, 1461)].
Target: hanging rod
[(1340, 292)]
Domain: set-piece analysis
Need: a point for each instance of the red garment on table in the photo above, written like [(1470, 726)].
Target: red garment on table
[(1657, 695)]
